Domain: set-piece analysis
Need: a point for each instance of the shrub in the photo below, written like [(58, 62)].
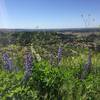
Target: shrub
[(47, 80)]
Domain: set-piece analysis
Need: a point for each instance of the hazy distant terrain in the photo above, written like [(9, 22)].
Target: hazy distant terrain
[(53, 30)]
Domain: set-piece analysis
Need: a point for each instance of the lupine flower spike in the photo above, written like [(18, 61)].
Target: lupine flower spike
[(28, 65), (8, 62), (87, 66)]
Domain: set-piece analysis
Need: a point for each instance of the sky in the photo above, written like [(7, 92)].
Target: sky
[(49, 13)]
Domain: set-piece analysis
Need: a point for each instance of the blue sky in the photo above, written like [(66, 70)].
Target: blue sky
[(49, 13)]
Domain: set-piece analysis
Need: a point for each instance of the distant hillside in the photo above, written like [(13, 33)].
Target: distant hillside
[(52, 30)]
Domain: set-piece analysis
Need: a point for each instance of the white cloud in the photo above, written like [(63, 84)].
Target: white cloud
[(3, 14)]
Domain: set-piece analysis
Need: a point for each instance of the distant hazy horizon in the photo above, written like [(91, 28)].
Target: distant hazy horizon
[(49, 14)]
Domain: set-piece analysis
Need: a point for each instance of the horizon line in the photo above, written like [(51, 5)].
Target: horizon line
[(53, 28)]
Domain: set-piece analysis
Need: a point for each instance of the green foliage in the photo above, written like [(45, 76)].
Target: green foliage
[(48, 80), (50, 83)]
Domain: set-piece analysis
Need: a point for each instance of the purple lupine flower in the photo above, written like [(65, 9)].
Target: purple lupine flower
[(28, 62), (59, 54), (87, 66), (8, 62), (5, 56), (27, 65)]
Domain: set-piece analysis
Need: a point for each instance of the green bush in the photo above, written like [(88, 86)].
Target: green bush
[(47, 80)]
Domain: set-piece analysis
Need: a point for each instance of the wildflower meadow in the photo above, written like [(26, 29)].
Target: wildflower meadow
[(49, 66)]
